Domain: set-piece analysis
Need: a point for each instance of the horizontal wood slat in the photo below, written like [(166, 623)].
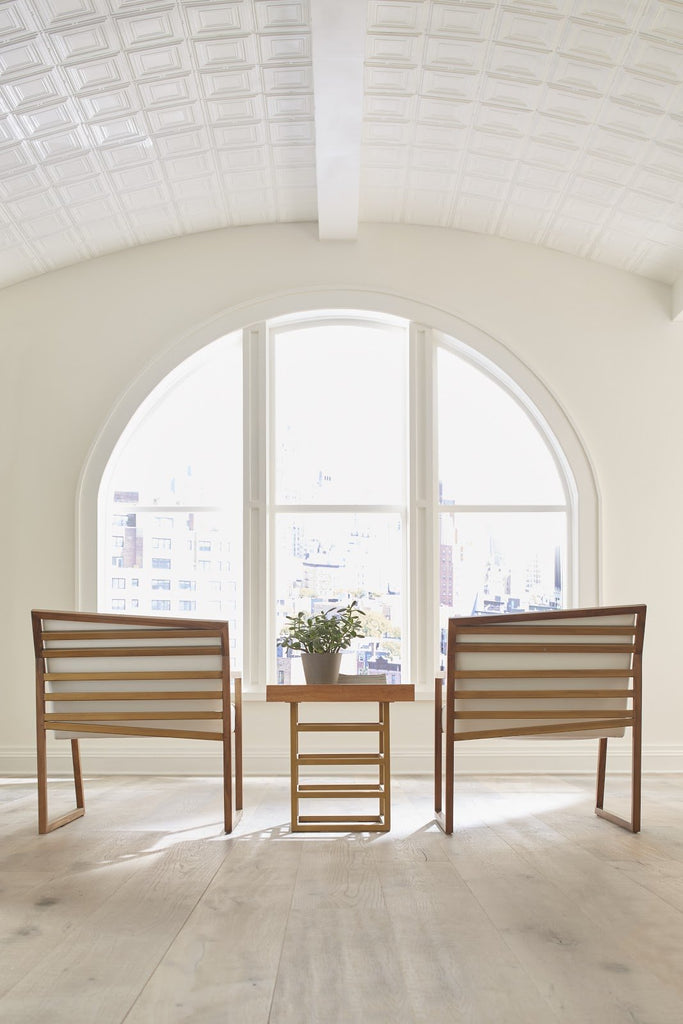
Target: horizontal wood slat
[(131, 730), (137, 695), (99, 677), (340, 726), (544, 673), (548, 713), (128, 634), (539, 730), (521, 648), (131, 716), (128, 652), (517, 629), (577, 694)]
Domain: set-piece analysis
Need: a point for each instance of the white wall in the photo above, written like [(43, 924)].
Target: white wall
[(600, 340)]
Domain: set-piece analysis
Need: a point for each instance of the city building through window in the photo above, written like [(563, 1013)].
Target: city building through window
[(380, 463)]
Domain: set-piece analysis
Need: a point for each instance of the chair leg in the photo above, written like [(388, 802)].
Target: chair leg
[(634, 824), (239, 775), (438, 748), (44, 825)]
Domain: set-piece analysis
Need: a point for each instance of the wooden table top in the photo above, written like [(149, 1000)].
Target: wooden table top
[(292, 693)]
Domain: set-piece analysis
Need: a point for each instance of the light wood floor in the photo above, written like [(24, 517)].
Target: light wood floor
[(533, 912)]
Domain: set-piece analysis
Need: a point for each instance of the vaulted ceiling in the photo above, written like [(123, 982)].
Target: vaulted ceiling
[(554, 122)]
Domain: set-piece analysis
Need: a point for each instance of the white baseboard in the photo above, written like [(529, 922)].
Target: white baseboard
[(103, 757)]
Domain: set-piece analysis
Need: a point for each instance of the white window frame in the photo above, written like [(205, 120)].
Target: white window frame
[(583, 578)]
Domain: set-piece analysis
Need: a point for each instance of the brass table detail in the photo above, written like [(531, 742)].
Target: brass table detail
[(382, 694)]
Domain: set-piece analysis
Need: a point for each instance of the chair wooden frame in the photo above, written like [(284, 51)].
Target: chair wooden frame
[(128, 675), (513, 663)]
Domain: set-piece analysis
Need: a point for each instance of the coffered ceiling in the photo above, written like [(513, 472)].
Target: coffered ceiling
[(555, 122)]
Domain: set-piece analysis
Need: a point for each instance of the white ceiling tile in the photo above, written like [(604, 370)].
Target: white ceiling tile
[(150, 28), (32, 90), (657, 183), (649, 57), (593, 43), (665, 21), (490, 143), (53, 13), (384, 177), (97, 74), (291, 78), (73, 169), (529, 30), (296, 106), (158, 60), (291, 131), (214, 18), (117, 130), (438, 135), (60, 145), (174, 119), (452, 113), (238, 108), (455, 54), (392, 49), (386, 16), (107, 104), (217, 84), (226, 136), (85, 42), (183, 142), (622, 14), (538, 199), (295, 177), (473, 185), (585, 76), (418, 178), (387, 79), (282, 15), (284, 48), (28, 57), (238, 181), (197, 165), (14, 159), (93, 210), (629, 87), (515, 62), (468, 20), (376, 155), (397, 108), (449, 84), (15, 21), (127, 155), (563, 103), (619, 117), (508, 93), (82, 191), (386, 132)]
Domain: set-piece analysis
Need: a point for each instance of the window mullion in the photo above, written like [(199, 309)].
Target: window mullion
[(421, 533), (257, 616)]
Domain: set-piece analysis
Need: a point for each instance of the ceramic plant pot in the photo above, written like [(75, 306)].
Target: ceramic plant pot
[(321, 668)]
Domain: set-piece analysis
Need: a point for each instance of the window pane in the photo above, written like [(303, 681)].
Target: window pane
[(329, 560), (339, 415), (499, 563), (490, 452), (173, 518)]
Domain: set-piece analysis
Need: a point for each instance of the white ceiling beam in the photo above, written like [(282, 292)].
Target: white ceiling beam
[(677, 299), (339, 28)]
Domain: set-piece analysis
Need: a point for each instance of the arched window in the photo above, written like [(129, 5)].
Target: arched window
[(309, 461)]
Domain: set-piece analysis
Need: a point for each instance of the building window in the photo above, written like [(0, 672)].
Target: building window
[(118, 583), (118, 604), (388, 464)]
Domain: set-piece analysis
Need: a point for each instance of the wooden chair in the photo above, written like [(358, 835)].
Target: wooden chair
[(129, 675), (572, 674)]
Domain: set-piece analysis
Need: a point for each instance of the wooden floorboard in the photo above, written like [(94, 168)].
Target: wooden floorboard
[(533, 912)]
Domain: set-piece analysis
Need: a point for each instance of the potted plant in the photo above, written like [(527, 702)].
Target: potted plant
[(321, 638)]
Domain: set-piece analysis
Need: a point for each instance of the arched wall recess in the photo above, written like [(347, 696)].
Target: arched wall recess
[(465, 338)]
